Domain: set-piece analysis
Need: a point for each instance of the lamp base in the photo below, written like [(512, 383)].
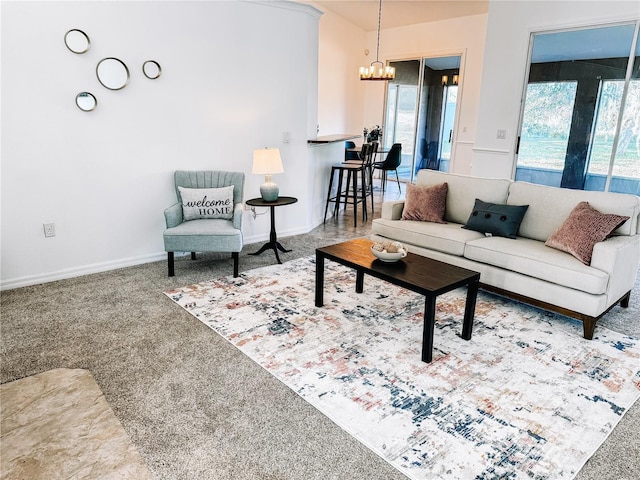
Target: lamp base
[(269, 191)]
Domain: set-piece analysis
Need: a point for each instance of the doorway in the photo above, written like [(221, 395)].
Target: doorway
[(420, 113)]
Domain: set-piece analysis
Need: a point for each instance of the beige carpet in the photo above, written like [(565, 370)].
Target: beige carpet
[(58, 424)]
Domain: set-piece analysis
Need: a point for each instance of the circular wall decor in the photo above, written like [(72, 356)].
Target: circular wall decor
[(77, 41), (112, 73), (86, 101), (151, 69)]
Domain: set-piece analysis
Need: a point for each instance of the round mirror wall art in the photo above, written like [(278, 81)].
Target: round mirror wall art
[(151, 69), (112, 73), (77, 41), (86, 101)]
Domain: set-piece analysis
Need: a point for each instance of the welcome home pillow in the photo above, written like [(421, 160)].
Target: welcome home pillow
[(426, 204), (584, 227), (496, 219), (207, 202)]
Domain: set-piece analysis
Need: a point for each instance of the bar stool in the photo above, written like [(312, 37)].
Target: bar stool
[(390, 163), (349, 151), (368, 159), (373, 151), (351, 194)]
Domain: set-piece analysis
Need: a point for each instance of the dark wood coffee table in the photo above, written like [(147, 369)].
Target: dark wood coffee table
[(419, 274)]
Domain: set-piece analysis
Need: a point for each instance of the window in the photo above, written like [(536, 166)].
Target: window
[(580, 121), (545, 125)]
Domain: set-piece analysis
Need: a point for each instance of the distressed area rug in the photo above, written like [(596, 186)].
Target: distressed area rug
[(526, 397)]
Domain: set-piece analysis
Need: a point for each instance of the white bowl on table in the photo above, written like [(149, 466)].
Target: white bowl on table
[(389, 257)]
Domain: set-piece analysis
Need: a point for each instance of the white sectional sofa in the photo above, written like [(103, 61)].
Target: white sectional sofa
[(524, 268)]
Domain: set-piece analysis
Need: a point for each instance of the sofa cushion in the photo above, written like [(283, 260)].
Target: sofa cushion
[(425, 204), (584, 227), (534, 259), (443, 237), (463, 191), (494, 219), (549, 207)]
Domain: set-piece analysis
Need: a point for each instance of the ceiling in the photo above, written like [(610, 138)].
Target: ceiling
[(610, 42), (398, 13)]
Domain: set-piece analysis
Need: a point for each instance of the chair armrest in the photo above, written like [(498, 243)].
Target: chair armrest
[(238, 210), (173, 215), (619, 256), (392, 209)]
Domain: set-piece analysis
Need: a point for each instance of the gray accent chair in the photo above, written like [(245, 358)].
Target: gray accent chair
[(204, 235)]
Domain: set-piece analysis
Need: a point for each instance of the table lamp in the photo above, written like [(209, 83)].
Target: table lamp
[(267, 161)]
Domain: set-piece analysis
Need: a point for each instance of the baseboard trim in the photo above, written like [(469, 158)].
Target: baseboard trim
[(79, 271)]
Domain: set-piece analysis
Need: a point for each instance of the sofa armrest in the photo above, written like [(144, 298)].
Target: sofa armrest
[(173, 215), (619, 256), (392, 209), (238, 210)]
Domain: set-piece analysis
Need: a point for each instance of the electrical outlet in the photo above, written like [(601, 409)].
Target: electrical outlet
[(502, 134), (49, 229)]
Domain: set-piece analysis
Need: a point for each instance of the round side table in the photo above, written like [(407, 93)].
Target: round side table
[(273, 243)]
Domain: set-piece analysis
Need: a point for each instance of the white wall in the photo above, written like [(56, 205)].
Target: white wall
[(463, 36), (503, 74), (236, 75), (340, 92)]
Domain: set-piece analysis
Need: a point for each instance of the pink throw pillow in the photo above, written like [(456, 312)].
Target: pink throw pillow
[(584, 227), (426, 204)]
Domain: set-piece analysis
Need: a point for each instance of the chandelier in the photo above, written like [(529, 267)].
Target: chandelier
[(377, 70)]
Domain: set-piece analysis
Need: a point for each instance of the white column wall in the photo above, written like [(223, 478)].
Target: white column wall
[(235, 76)]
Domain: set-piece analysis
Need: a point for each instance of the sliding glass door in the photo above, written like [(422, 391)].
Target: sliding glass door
[(449, 101), (580, 122), (401, 120), (420, 113)]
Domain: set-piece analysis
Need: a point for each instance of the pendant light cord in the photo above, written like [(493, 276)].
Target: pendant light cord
[(382, 72), (378, 45)]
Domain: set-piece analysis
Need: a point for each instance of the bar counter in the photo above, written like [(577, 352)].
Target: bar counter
[(337, 137)]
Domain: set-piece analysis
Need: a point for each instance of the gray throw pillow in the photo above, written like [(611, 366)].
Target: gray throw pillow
[(495, 219)]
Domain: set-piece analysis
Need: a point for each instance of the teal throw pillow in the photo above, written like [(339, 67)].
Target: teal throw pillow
[(495, 219)]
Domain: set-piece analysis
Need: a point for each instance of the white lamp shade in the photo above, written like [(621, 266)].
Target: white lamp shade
[(267, 161)]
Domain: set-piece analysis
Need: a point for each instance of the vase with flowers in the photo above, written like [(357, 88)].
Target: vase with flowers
[(373, 133)]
